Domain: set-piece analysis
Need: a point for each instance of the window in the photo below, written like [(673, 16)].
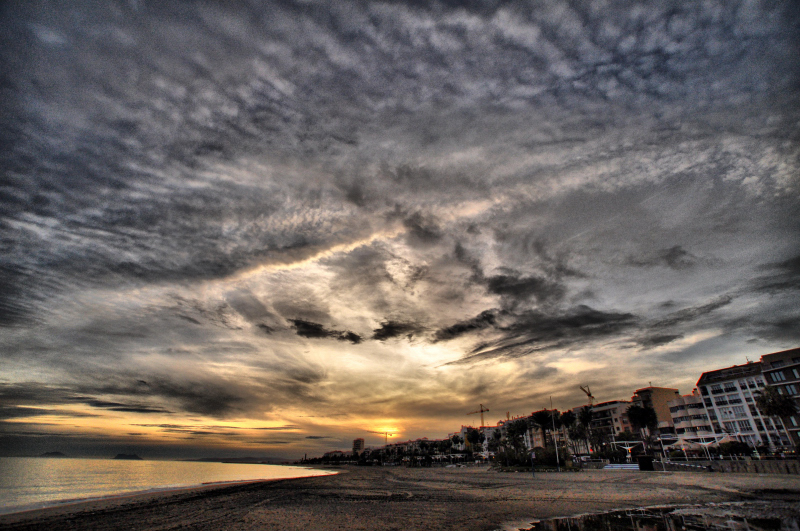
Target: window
[(794, 371), (729, 426), (738, 411), (744, 425), (759, 382), (759, 425), (716, 389), (707, 402), (777, 364), (703, 390), (791, 389), (778, 376), (720, 401), (793, 421)]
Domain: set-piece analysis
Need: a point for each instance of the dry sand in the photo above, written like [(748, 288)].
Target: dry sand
[(402, 499)]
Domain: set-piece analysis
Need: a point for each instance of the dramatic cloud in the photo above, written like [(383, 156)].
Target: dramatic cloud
[(223, 221)]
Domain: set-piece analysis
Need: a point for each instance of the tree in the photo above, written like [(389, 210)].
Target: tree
[(735, 448), (494, 441), (568, 418), (515, 431), (585, 416), (585, 420), (773, 404), (456, 440), (475, 437), (544, 420), (642, 417)]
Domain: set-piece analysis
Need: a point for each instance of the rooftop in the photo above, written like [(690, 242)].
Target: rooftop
[(730, 373)]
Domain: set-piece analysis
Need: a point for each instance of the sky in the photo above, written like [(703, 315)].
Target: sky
[(252, 228)]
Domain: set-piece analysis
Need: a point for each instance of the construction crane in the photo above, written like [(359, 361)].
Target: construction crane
[(588, 394), (385, 434), (482, 410)]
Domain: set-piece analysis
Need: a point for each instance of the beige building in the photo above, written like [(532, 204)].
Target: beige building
[(691, 420), (657, 398)]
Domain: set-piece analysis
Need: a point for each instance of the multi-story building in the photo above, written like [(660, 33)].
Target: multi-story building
[(358, 446), (691, 420), (729, 398), (657, 398), (782, 371), (609, 418)]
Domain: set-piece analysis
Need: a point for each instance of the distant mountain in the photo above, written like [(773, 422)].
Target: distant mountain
[(133, 457), (267, 460), (53, 454)]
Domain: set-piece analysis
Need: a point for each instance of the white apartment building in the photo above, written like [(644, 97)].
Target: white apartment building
[(728, 396)]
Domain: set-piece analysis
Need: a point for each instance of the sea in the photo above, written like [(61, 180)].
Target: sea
[(36, 482)]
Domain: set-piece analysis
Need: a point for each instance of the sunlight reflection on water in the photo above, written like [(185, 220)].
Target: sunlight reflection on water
[(34, 482)]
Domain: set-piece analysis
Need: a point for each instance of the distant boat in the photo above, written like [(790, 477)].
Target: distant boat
[(53, 454), (133, 457)]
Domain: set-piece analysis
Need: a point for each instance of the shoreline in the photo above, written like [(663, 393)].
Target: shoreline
[(381, 498), (76, 504)]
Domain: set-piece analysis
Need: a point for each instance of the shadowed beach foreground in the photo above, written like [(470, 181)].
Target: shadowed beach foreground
[(400, 498)]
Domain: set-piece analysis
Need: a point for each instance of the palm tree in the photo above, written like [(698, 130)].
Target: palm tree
[(456, 440), (543, 419), (643, 418), (585, 420)]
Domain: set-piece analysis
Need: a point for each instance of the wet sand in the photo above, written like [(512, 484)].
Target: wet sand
[(401, 499)]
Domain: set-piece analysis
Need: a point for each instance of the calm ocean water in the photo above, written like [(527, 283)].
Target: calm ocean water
[(35, 482)]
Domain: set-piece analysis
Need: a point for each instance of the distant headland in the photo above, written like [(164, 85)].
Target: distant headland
[(53, 454), (133, 457)]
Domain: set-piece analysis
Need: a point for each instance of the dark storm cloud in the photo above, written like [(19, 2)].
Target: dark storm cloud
[(657, 341), (534, 331), (318, 331), (118, 406), (779, 277), (15, 412), (517, 287), (675, 325), (390, 329), (693, 313), (485, 319)]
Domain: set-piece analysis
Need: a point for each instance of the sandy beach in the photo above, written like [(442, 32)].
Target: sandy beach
[(401, 498)]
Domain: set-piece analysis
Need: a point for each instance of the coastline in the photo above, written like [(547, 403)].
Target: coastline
[(71, 481), (79, 504), (383, 498)]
